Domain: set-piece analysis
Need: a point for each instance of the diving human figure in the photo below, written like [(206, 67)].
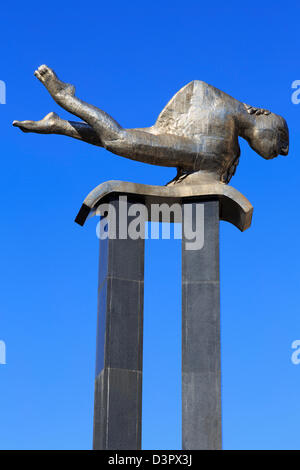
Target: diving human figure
[(197, 131)]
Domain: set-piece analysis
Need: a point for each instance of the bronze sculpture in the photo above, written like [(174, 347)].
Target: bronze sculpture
[(197, 132)]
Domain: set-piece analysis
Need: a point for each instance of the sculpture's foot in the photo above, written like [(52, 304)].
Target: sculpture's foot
[(55, 86), (47, 125)]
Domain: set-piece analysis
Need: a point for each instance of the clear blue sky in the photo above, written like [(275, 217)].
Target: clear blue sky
[(129, 58)]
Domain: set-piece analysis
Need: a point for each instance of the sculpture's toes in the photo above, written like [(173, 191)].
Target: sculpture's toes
[(45, 125), (25, 126), (50, 80), (44, 74)]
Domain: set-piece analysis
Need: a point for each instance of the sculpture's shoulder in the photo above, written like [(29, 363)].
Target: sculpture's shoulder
[(191, 105)]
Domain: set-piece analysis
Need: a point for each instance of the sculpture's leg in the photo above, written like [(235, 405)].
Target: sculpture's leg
[(137, 144), (63, 93), (118, 385), (201, 368)]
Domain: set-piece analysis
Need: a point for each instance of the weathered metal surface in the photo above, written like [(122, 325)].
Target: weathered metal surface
[(198, 131)]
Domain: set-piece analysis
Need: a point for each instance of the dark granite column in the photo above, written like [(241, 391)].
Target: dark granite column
[(118, 384), (201, 363)]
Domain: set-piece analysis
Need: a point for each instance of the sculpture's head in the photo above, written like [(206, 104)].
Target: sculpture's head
[(268, 134)]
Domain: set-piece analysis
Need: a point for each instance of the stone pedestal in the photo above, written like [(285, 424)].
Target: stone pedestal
[(118, 386), (201, 358), (119, 356)]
